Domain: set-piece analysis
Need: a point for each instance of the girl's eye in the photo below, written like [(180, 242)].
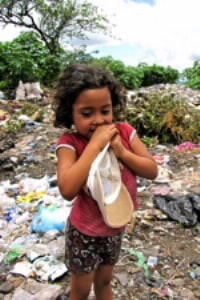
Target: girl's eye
[(105, 112), (86, 114)]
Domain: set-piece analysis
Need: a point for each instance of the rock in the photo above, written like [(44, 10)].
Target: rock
[(187, 294), (6, 287), (123, 278), (21, 294)]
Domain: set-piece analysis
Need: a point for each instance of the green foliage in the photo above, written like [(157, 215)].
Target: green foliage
[(38, 56), (165, 119), (13, 126), (193, 76), (130, 77), (194, 83), (21, 59), (157, 74), (104, 61), (150, 141), (136, 77), (53, 20), (26, 58), (78, 56), (30, 109)]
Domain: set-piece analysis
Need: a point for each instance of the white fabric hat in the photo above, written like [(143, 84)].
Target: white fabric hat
[(105, 186)]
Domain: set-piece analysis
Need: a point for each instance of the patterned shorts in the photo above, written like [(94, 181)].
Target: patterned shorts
[(85, 253)]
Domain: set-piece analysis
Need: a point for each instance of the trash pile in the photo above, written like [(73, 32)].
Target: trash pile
[(160, 256), (177, 91)]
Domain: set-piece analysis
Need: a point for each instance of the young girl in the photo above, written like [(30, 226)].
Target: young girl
[(86, 98)]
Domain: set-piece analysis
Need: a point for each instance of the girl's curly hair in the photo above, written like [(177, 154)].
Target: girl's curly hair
[(75, 79)]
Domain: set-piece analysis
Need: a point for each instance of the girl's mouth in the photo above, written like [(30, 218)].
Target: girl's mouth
[(92, 130)]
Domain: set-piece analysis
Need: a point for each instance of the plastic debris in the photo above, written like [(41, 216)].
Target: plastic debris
[(23, 268), (49, 268), (164, 175), (49, 218), (185, 146), (31, 196), (141, 259), (182, 208), (13, 254), (152, 261)]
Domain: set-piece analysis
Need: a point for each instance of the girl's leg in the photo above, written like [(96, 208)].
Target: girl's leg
[(81, 285), (102, 282), (81, 260)]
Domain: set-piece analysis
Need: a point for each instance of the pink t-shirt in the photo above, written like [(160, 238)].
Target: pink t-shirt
[(85, 214)]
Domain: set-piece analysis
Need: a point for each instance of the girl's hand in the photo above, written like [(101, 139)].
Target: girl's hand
[(103, 134), (117, 146)]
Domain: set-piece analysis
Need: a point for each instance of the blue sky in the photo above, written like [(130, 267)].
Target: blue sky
[(150, 2), (163, 32)]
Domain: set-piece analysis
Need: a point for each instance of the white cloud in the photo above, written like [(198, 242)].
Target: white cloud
[(165, 33), (9, 33)]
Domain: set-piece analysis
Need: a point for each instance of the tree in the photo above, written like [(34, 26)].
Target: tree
[(156, 74), (192, 75), (26, 58), (55, 21)]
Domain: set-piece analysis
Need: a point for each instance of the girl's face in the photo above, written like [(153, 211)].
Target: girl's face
[(92, 108)]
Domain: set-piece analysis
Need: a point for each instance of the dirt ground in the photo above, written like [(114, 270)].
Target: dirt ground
[(173, 247)]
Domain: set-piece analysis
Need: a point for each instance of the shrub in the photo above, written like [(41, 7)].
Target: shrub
[(158, 74), (193, 75), (166, 119)]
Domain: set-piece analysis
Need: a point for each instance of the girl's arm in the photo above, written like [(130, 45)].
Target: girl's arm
[(72, 172), (139, 159)]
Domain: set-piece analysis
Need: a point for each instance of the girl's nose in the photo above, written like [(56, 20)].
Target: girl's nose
[(98, 120)]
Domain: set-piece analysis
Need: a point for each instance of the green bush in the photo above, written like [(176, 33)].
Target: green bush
[(30, 109), (165, 119), (130, 77), (157, 74), (193, 76), (135, 77), (12, 125), (27, 59)]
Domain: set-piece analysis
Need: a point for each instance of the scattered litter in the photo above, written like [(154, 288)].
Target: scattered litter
[(159, 258), (185, 146), (152, 261), (49, 218), (48, 268), (182, 208)]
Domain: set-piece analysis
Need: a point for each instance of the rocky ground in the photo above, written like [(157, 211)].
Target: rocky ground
[(160, 257)]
